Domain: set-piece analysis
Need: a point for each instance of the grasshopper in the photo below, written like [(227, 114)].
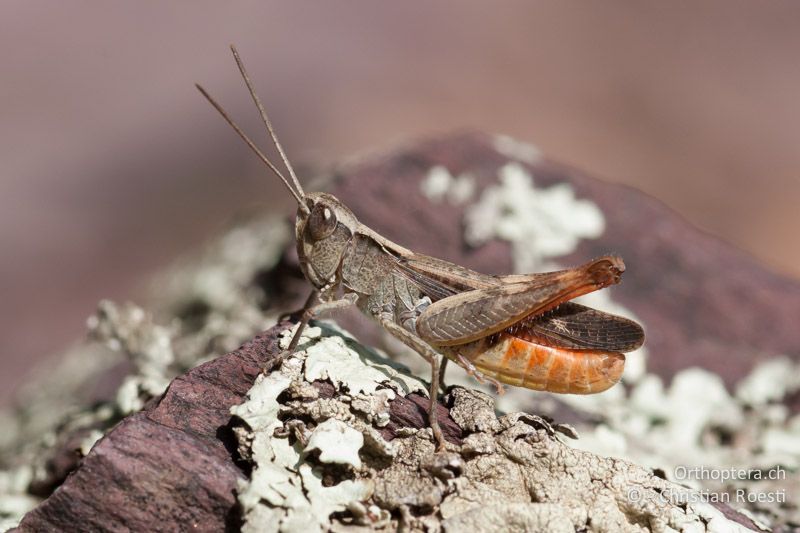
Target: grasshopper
[(520, 330)]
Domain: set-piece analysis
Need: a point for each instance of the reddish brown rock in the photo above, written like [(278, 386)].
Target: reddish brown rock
[(171, 467)]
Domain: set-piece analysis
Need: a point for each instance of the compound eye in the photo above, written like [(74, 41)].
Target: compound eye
[(321, 222)]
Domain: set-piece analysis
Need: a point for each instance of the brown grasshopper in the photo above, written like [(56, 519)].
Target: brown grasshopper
[(517, 329)]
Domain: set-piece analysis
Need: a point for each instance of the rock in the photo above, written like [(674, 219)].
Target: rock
[(178, 452), (173, 466), (168, 466)]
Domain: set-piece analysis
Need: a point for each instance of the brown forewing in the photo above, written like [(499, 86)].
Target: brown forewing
[(473, 314)]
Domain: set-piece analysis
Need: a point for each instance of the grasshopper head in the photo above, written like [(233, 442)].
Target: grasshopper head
[(323, 229)]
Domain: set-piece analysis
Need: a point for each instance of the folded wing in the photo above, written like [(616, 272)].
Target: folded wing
[(578, 327), (474, 314)]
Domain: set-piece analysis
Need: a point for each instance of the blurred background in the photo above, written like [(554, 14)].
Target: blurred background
[(112, 165)]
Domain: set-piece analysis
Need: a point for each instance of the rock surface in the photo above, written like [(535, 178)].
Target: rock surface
[(174, 465), (169, 464)]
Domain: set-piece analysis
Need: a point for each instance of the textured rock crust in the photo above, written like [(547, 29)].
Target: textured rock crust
[(174, 466), (172, 463)]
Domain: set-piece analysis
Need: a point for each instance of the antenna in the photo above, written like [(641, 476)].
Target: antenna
[(297, 195), (266, 120)]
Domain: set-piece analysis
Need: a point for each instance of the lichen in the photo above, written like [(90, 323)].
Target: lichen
[(694, 430), (512, 471), (126, 330), (285, 492), (440, 185), (346, 363), (148, 346), (769, 382), (517, 150), (14, 502), (337, 443), (215, 297), (540, 223)]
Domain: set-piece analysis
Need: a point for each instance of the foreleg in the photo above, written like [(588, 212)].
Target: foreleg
[(314, 311), (298, 314), (309, 313)]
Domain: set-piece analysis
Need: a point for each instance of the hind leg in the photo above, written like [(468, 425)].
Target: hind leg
[(430, 355)]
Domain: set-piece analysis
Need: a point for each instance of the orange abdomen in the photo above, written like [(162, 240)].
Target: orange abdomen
[(523, 363)]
